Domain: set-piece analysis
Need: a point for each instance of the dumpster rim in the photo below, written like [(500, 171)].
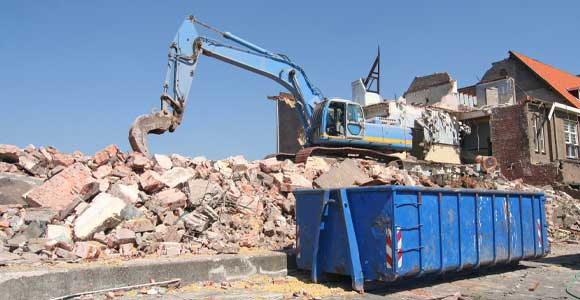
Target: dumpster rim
[(388, 187)]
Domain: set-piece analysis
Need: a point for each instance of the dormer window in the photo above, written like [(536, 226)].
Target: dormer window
[(575, 92)]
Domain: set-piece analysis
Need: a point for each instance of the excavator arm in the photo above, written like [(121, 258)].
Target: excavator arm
[(184, 53)]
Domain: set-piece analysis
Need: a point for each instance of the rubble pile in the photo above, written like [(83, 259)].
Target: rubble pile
[(563, 215), (126, 204)]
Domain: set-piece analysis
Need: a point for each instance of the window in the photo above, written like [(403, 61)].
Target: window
[(571, 138), (539, 140), (355, 113)]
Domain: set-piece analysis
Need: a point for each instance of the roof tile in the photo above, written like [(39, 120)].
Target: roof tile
[(560, 80)]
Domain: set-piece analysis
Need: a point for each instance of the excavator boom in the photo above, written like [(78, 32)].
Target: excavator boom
[(184, 52), (180, 68)]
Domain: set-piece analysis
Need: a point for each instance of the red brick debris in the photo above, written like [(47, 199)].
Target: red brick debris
[(125, 204)]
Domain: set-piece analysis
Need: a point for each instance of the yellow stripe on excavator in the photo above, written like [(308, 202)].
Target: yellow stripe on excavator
[(373, 139)]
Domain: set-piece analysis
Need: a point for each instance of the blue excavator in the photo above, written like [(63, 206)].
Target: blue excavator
[(332, 126)]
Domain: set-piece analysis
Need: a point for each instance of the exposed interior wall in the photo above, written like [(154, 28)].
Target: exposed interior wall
[(376, 110), (478, 142), (442, 95), (442, 153), (289, 126), (527, 82), (496, 92)]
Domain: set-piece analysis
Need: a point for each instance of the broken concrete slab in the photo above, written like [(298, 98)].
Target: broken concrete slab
[(196, 189), (163, 161), (13, 187), (346, 173), (59, 233), (177, 176), (129, 193), (63, 191), (103, 213), (40, 214)]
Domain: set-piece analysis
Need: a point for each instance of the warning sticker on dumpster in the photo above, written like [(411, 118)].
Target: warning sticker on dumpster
[(399, 249)]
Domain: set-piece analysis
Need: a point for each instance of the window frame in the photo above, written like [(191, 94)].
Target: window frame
[(571, 131), (539, 136)]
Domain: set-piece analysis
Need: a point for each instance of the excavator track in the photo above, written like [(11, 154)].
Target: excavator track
[(303, 154)]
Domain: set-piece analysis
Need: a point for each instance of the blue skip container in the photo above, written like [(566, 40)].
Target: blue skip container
[(390, 233)]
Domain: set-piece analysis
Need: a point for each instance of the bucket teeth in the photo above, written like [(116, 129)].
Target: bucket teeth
[(156, 123)]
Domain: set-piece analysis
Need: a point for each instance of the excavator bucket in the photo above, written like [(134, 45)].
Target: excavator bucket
[(156, 123), (180, 69)]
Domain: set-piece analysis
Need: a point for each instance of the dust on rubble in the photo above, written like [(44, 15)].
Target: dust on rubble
[(288, 285)]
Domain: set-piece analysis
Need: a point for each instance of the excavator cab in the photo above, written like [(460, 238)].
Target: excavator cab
[(344, 119)]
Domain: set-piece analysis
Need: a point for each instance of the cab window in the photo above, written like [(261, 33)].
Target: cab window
[(354, 113)]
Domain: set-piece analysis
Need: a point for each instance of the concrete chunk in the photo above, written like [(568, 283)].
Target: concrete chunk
[(163, 161), (129, 193), (104, 213), (63, 191), (197, 189), (13, 186), (347, 173), (177, 176), (59, 233)]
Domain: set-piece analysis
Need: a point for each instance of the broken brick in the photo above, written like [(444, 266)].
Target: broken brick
[(171, 198), (151, 181), (63, 191), (104, 155)]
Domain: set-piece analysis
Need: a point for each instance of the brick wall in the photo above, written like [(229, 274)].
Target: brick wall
[(511, 147)]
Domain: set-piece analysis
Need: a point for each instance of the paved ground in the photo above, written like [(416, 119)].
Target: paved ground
[(543, 279)]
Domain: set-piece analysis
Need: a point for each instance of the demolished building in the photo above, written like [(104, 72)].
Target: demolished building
[(526, 115), (523, 113)]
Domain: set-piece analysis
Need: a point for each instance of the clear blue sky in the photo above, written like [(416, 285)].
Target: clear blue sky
[(75, 74)]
